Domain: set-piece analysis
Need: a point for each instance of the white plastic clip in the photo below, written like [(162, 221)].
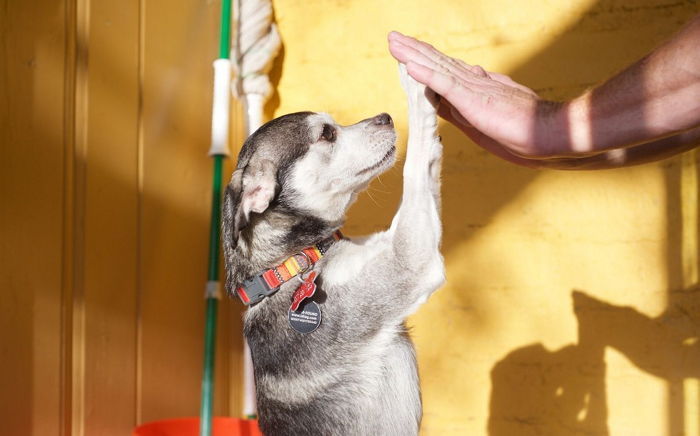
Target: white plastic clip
[(220, 108), (213, 289)]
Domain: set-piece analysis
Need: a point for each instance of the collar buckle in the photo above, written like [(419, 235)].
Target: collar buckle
[(254, 290)]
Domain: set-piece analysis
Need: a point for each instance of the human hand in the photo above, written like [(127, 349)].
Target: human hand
[(499, 114)]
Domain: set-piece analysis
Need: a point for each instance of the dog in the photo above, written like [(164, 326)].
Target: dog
[(337, 359)]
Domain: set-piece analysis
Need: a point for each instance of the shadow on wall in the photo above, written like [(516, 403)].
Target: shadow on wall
[(538, 391), (562, 392)]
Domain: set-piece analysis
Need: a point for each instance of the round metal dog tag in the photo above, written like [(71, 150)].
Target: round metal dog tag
[(306, 318)]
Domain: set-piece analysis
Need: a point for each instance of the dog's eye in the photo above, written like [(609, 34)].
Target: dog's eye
[(328, 133)]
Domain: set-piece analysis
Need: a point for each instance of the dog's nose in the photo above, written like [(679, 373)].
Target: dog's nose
[(383, 120)]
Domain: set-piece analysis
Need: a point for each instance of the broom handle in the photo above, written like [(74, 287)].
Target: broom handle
[(218, 150)]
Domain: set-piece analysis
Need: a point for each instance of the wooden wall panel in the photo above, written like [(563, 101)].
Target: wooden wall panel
[(31, 211), (104, 216), (110, 251)]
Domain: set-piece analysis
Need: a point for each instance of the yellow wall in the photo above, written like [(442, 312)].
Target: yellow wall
[(501, 349), (571, 305)]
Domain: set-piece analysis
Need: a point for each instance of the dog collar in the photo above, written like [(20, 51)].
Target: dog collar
[(254, 289)]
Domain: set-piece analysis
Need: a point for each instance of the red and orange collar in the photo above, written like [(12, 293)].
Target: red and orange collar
[(254, 289)]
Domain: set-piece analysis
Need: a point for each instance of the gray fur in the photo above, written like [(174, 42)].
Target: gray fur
[(356, 374)]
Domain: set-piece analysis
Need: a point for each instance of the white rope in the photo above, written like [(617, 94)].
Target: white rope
[(258, 42)]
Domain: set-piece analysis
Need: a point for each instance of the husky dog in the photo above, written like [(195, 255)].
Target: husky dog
[(339, 362)]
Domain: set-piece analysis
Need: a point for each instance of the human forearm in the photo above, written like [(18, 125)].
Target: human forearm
[(655, 97), (622, 157)]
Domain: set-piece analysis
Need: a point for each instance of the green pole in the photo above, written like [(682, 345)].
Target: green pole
[(212, 304), (225, 39), (206, 410)]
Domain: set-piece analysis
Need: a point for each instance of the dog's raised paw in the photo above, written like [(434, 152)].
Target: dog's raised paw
[(422, 101), (422, 107), (405, 78)]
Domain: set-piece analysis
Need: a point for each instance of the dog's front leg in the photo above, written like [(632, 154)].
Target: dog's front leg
[(404, 263), (416, 229)]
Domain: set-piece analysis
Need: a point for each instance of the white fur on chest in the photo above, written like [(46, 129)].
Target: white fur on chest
[(350, 257)]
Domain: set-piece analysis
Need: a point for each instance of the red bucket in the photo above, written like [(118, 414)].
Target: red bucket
[(190, 427)]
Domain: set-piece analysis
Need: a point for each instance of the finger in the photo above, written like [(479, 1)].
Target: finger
[(476, 69), (417, 49), (458, 117), (479, 71), (425, 50), (498, 77), (448, 112), (406, 49), (398, 39), (464, 65), (404, 39), (506, 80), (394, 35), (404, 53), (450, 65), (444, 110), (444, 84)]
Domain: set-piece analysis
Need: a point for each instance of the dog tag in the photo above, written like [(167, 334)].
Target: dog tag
[(306, 319), (306, 290)]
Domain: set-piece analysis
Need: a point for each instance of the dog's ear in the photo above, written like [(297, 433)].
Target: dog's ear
[(251, 190), (229, 234), (259, 186), (232, 200)]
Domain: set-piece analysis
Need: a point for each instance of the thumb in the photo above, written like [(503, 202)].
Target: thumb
[(451, 114)]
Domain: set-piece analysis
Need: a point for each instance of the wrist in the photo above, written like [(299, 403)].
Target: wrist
[(548, 137), (562, 129)]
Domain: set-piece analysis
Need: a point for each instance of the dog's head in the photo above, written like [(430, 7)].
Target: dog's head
[(305, 163)]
